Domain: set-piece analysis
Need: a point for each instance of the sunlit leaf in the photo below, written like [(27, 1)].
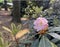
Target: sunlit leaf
[(7, 44), (55, 35), (3, 43), (7, 29), (37, 9), (53, 45), (54, 29), (19, 27), (56, 21), (14, 29), (52, 1)]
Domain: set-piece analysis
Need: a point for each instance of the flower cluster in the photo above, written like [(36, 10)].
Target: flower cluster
[(41, 24)]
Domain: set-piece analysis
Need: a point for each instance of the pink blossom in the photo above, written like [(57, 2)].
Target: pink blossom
[(40, 24)]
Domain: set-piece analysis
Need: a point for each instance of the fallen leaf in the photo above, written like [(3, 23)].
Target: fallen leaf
[(21, 33)]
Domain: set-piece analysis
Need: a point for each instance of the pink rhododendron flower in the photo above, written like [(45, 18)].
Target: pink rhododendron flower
[(40, 24)]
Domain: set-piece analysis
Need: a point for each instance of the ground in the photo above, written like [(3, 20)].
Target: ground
[(6, 20)]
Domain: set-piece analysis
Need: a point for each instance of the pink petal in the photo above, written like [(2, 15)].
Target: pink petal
[(42, 26)]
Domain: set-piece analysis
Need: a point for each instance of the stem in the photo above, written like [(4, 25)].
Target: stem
[(14, 38), (16, 42)]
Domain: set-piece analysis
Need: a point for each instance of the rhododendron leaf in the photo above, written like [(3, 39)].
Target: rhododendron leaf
[(55, 35), (35, 43), (44, 42), (54, 40), (26, 41), (53, 45), (55, 29)]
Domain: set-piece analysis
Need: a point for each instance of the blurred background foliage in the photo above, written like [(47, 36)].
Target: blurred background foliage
[(44, 8)]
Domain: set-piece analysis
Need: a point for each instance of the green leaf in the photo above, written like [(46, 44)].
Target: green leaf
[(56, 21), (1, 1), (52, 1), (55, 29), (35, 43), (3, 43), (1, 40), (14, 29), (55, 35), (38, 10), (25, 41), (44, 42), (7, 29), (34, 16), (7, 44), (54, 40), (53, 45), (19, 27)]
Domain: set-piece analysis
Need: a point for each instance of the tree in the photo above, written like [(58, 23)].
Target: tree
[(5, 5), (16, 11)]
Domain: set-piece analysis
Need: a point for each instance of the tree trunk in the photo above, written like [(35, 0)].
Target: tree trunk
[(5, 5), (16, 11)]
